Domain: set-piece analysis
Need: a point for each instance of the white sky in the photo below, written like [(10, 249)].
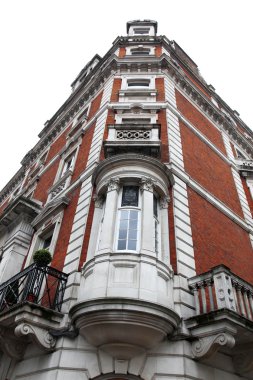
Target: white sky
[(46, 43)]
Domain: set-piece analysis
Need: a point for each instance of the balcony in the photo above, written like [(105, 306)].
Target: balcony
[(223, 317), (30, 305), (133, 138)]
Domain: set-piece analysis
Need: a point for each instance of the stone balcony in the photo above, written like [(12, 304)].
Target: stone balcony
[(30, 305), (133, 138), (224, 318)]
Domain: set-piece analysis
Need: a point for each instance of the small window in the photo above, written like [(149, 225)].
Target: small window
[(68, 164), (136, 120), (45, 239), (138, 82), (140, 51), (129, 214), (141, 30), (130, 196)]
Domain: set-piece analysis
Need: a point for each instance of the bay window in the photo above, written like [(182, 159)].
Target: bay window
[(134, 216)]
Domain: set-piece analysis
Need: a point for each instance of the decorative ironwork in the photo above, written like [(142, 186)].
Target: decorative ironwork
[(43, 286), (133, 135)]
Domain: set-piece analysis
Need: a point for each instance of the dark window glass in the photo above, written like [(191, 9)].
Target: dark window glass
[(138, 84), (155, 204), (47, 242), (130, 196), (140, 52)]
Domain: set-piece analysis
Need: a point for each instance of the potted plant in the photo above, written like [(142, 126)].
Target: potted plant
[(42, 257)]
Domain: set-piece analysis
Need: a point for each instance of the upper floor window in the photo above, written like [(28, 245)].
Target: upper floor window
[(138, 82), (68, 164), (129, 215), (141, 31), (140, 51)]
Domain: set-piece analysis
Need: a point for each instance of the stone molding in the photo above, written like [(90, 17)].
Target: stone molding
[(147, 184), (113, 184)]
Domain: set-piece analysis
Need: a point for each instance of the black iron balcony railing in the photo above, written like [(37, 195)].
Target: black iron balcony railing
[(43, 286)]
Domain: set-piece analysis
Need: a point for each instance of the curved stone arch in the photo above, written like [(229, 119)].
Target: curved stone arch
[(117, 376)]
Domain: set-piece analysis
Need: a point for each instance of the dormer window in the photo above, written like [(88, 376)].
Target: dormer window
[(141, 31), (138, 82)]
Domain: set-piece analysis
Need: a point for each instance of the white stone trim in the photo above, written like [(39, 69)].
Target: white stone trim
[(82, 210), (183, 233), (239, 187)]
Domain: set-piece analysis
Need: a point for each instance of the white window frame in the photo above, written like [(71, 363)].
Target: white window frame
[(129, 50), (127, 79), (129, 208), (54, 225), (135, 30)]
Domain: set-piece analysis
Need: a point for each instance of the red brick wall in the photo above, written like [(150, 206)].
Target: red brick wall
[(65, 231), (209, 170), (163, 136), (122, 52), (218, 240), (95, 104), (3, 206), (83, 153), (87, 233), (45, 182), (57, 145), (199, 121), (158, 51), (115, 89), (84, 150), (159, 85)]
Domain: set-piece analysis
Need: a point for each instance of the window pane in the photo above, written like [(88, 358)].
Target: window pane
[(155, 204), (121, 245), (122, 234), (132, 234), (132, 245), (124, 214), (133, 224), (130, 196), (133, 214), (123, 224)]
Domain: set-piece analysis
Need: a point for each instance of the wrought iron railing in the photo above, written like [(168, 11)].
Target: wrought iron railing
[(43, 286), (220, 288)]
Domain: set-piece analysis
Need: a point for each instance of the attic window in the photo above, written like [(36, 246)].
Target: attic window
[(141, 30), (140, 51), (136, 120), (138, 82)]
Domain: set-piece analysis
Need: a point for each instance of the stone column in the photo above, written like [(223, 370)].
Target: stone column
[(109, 220), (147, 232), (165, 248)]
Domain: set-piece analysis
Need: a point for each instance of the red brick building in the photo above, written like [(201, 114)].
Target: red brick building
[(141, 187)]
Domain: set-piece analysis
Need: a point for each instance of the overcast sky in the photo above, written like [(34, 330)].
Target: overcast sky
[(46, 43)]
